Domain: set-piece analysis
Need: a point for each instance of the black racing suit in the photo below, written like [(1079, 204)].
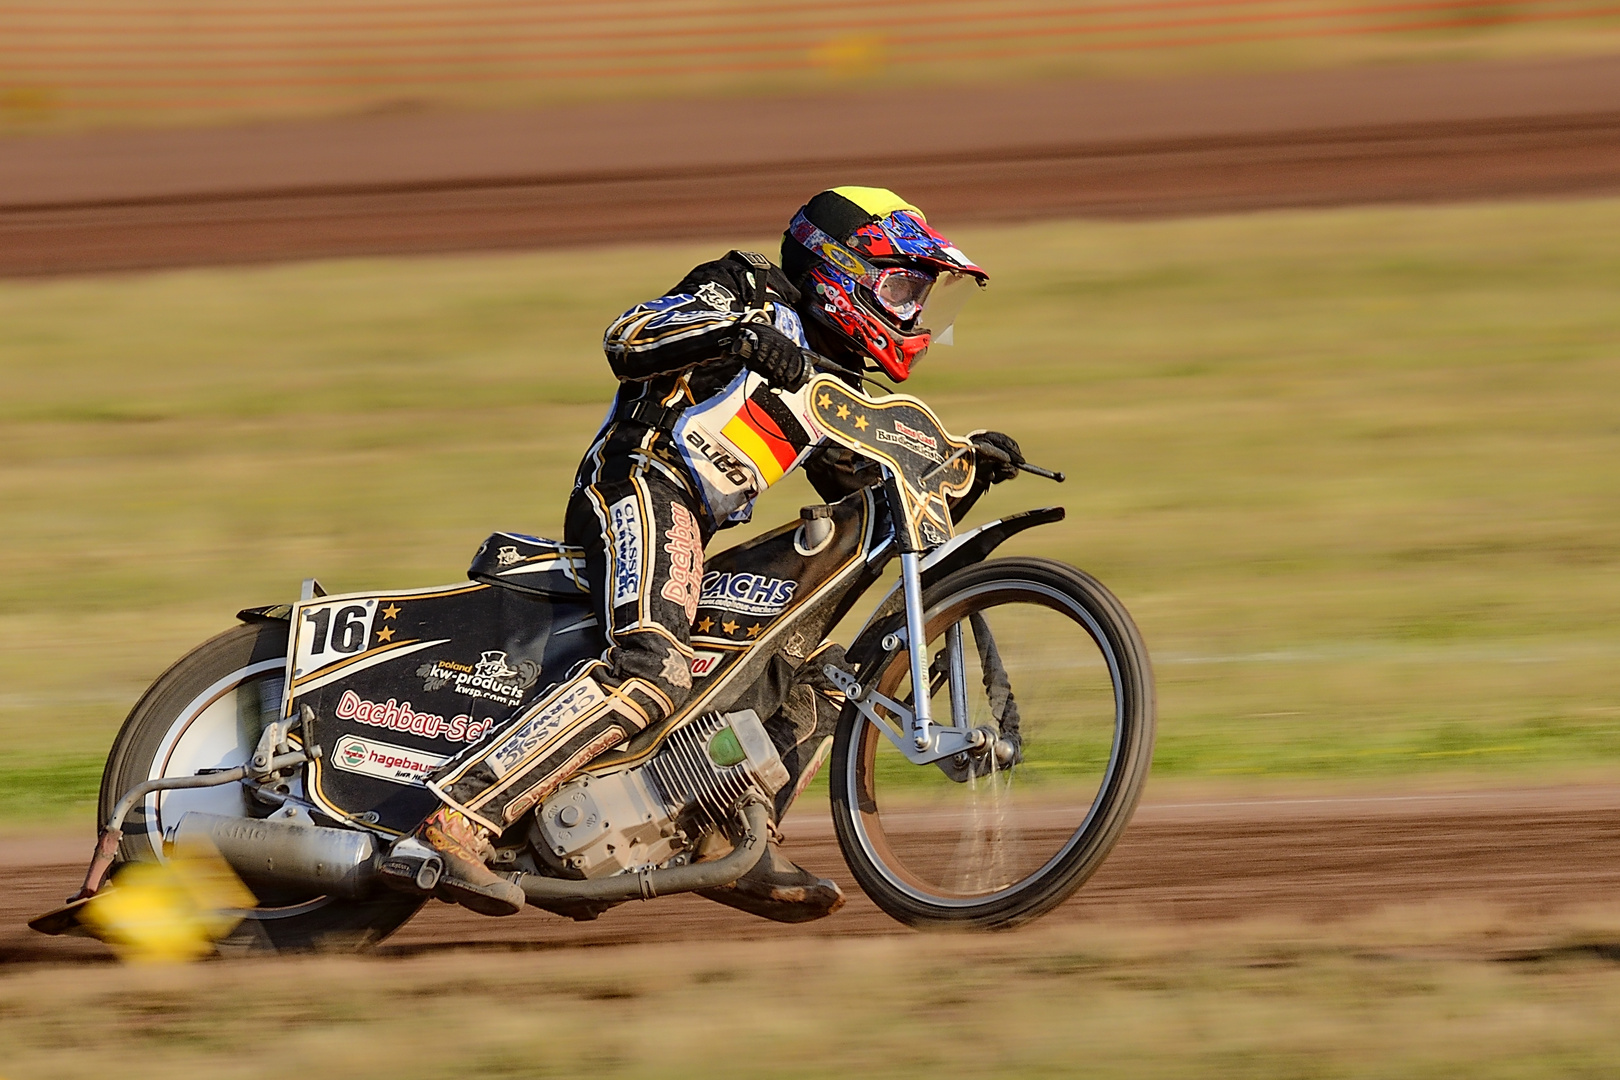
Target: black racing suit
[(643, 514)]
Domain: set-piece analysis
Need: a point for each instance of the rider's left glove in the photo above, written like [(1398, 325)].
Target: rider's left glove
[(1001, 460), (765, 349)]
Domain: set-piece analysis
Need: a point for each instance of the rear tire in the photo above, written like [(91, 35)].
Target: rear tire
[(206, 712), (991, 851)]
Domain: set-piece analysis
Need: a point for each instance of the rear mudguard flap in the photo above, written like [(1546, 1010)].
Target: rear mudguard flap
[(267, 613), (964, 550)]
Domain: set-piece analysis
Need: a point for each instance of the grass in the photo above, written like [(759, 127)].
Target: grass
[(1420, 994), (1352, 471)]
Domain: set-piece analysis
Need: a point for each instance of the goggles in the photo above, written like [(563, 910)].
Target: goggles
[(902, 292)]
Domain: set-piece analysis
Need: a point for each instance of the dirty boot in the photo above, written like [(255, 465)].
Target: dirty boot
[(461, 846), (778, 889)]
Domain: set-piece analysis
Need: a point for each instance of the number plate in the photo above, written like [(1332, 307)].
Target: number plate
[(329, 633)]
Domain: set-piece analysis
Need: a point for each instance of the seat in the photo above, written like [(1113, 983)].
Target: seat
[(531, 564)]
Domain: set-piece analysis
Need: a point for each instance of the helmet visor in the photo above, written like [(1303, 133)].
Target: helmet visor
[(902, 292), (943, 302)]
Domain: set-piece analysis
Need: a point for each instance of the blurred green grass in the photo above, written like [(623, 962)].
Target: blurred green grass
[(1353, 471), (1419, 993)]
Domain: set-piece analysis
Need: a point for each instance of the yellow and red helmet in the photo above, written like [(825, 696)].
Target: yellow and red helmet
[(873, 271)]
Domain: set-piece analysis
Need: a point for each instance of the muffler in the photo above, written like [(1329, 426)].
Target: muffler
[(284, 850)]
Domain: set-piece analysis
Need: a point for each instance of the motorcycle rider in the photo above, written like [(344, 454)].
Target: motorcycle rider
[(723, 351)]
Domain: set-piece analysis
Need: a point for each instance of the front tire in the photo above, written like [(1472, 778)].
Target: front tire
[(206, 712), (991, 846)]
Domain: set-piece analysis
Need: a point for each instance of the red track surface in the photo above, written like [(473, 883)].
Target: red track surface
[(734, 169)]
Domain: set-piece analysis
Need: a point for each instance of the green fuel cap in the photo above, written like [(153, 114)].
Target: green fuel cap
[(725, 750)]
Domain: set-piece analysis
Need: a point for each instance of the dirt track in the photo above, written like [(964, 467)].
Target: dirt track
[(1535, 852), (632, 172)]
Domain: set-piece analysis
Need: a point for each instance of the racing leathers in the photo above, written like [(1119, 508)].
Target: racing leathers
[(694, 436)]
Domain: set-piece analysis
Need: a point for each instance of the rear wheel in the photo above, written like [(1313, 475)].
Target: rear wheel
[(206, 712), (1057, 671)]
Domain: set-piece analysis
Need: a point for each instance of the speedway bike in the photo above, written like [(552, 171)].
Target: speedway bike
[(995, 734)]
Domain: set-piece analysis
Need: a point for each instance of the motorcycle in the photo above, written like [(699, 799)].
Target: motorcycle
[(294, 746)]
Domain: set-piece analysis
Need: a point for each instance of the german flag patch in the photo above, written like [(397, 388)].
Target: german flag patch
[(767, 433)]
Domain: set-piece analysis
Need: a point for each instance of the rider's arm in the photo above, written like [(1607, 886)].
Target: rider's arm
[(835, 471), (694, 323)]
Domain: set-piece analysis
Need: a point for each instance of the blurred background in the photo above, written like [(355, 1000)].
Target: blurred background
[(1317, 303), (97, 63)]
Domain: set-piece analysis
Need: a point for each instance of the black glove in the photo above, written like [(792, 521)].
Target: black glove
[(996, 456), (765, 349)]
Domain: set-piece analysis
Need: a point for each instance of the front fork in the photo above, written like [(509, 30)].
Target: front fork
[(917, 735), (917, 643)]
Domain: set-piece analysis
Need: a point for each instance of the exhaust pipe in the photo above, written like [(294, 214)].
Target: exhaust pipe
[(646, 884), (286, 849), (289, 849)]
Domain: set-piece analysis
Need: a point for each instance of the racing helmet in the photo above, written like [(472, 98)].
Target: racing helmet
[(872, 270)]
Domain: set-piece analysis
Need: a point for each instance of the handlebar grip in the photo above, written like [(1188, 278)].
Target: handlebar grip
[(995, 453), (1038, 471)]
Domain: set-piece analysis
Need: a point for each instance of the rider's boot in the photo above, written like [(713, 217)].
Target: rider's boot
[(779, 889), (459, 846), (776, 888)]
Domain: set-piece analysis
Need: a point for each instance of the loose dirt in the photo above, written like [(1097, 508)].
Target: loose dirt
[(643, 171), (1533, 852)]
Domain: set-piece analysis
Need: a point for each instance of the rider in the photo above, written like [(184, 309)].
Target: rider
[(858, 267)]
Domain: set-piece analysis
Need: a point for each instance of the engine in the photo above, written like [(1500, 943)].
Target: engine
[(644, 816)]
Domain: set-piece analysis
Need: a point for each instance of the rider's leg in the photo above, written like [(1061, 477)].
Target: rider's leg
[(802, 731), (644, 561)]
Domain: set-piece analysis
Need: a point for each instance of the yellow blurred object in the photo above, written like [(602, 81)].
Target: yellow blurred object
[(169, 913), (850, 55)]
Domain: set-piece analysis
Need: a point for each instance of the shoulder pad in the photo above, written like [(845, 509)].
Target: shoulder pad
[(752, 258)]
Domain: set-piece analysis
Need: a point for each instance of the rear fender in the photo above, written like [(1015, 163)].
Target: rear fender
[(267, 613)]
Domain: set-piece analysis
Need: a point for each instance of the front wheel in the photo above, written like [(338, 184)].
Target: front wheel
[(1051, 665), (206, 712)]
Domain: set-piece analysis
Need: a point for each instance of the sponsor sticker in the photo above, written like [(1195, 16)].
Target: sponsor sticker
[(676, 671), (492, 678), (704, 663), (624, 525), (906, 442), (926, 439), (685, 549), (726, 465), (540, 728), (385, 761), (842, 259), (750, 594), (395, 715), (715, 295)]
